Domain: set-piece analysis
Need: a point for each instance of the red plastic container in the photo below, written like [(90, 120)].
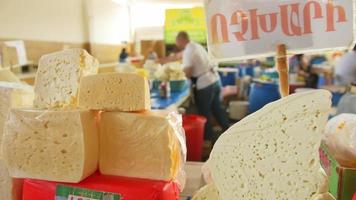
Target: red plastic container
[(194, 131), (128, 188), (354, 198)]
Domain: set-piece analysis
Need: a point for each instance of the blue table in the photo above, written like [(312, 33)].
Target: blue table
[(176, 99)]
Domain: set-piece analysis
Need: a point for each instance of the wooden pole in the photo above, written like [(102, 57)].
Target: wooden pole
[(282, 68)]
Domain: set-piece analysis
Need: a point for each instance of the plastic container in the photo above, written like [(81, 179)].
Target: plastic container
[(194, 131), (228, 75), (262, 94), (177, 85), (336, 98), (127, 188)]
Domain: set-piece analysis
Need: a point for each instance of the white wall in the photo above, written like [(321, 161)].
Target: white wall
[(108, 22), (45, 20)]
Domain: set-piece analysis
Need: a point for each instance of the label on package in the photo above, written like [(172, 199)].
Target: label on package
[(71, 193)]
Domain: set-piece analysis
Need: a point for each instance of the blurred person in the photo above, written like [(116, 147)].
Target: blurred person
[(345, 69), (305, 70), (206, 83), (123, 56)]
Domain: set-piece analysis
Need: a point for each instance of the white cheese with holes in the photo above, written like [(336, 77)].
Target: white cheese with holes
[(51, 145), (141, 145), (58, 77), (273, 153), (115, 91)]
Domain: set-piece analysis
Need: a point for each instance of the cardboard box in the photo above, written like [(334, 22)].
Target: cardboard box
[(342, 181)]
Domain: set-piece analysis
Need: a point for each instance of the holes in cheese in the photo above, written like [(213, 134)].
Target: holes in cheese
[(140, 145), (273, 153), (115, 91), (34, 146), (58, 77)]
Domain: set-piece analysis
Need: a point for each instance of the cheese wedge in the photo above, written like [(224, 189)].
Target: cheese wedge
[(115, 91), (50, 145), (273, 153), (58, 77), (7, 76), (141, 145), (13, 95), (208, 192), (10, 189)]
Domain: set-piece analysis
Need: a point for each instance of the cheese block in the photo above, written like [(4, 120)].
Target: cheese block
[(58, 77), (13, 95), (141, 145), (273, 153), (208, 192), (10, 189), (115, 91), (127, 188), (7, 76), (50, 145)]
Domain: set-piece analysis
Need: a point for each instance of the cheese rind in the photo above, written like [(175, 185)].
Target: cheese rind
[(140, 145), (13, 95), (10, 189), (115, 91), (50, 145), (273, 153), (58, 77)]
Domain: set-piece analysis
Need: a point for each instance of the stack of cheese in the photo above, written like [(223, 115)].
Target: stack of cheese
[(273, 153), (54, 140), (58, 138), (134, 141)]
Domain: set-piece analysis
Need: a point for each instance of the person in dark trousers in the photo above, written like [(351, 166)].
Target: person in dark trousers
[(206, 83), (305, 70), (123, 56)]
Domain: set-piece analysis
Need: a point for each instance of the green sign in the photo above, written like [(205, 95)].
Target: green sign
[(70, 193), (190, 20)]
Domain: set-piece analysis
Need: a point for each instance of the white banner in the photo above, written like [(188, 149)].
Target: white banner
[(239, 29)]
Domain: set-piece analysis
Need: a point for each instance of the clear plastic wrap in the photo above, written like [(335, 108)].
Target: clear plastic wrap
[(340, 138), (149, 145), (10, 189), (50, 145)]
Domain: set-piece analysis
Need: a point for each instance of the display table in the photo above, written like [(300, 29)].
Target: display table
[(174, 101)]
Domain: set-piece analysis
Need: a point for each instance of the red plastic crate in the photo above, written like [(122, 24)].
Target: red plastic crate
[(128, 188)]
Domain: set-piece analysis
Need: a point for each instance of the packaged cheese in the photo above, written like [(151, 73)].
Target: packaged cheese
[(58, 77), (273, 153), (125, 188), (115, 91), (148, 145), (13, 95), (7, 76), (50, 145), (10, 189)]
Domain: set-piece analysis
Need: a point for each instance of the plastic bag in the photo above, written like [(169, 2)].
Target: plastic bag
[(148, 145), (340, 138)]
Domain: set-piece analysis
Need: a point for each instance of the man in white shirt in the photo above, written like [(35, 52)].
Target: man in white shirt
[(200, 69), (345, 69)]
